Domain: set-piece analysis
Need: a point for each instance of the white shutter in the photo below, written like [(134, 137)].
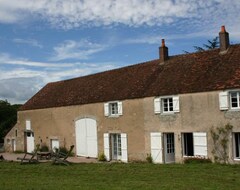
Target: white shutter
[(106, 109), (120, 109), (124, 147), (176, 104), (106, 146), (28, 125), (200, 144), (156, 147), (223, 100), (157, 105)]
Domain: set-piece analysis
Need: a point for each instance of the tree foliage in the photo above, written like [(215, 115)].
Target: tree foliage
[(211, 44), (8, 117)]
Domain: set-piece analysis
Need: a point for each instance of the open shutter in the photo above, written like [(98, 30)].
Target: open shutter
[(120, 109), (124, 147), (200, 144), (176, 104), (157, 105), (223, 100), (106, 109), (156, 147), (106, 146)]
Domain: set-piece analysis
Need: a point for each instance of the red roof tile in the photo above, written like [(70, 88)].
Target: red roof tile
[(187, 73)]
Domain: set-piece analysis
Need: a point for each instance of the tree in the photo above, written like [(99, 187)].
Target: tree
[(211, 44), (8, 117)]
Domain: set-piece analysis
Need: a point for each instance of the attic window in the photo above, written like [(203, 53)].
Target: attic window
[(113, 108), (166, 105), (235, 100), (229, 100)]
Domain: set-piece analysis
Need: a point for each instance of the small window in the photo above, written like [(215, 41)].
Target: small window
[(235, 100), (167, 105), (113, 108)]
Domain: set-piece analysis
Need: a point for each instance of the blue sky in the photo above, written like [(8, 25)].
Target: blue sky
[(43, 41)]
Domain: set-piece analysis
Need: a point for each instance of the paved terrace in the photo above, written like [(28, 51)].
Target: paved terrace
[(75, 159)]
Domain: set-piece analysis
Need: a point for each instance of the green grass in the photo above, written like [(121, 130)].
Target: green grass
[(119, 176)]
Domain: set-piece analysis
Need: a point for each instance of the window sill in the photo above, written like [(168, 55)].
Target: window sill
[(234, 109), (114, 116), (167, 113), (236, 159)]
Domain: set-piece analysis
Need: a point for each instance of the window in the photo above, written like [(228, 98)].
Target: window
[(236, 144), (113, 108), (234, 100), (229, 99), (194, 144), (166, 105), (170, 142)]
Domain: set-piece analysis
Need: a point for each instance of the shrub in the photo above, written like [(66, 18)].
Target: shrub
[(102, 157), (44, 148), (64, 150), (149, 158), (197, 160)]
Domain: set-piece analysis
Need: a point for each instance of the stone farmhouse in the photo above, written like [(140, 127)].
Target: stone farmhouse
[(164, 107)]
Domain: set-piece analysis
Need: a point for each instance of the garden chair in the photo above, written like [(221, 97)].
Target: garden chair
[(61, 158), (30, 158)]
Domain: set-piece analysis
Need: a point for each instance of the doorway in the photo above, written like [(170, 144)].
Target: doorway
[(86, 137), (116, 146), (29, 141), (169, 147)]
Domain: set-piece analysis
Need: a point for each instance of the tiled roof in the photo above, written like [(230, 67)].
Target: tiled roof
[(187, 73)]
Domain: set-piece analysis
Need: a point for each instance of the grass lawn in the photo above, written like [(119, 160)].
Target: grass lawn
[(119, 176)]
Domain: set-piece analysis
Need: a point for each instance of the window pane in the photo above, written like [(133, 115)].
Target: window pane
[(167, 104), (113, 108), (234, 99)]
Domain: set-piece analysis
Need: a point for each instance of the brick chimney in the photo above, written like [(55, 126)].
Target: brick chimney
[(163, 52), (223, 39)]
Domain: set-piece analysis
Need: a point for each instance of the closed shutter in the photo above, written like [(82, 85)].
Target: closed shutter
[(106, 146), (200, 144), (223, 100), (156, 147), (106, 109), (124, 157), (120, 108), (157, 105), (176, 104), (28, 125)]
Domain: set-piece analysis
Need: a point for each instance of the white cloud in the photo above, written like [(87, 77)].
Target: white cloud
[(30, 42), (75, 13), (156, 39), (70, 49), (6, 59), (19, 84)]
